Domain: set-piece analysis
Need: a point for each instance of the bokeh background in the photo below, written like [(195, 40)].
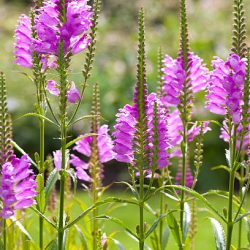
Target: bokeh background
[(210, 23)]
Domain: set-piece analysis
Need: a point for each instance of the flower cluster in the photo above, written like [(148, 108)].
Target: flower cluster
[(226, 85), (83, 147), (44, 38), (175, 76), (18, 186), (125, 131), (73, 31), (73, 94)]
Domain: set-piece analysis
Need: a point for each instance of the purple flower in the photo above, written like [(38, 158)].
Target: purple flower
[(23, 42), (125, 130), (225, 135), (83, 146), (175, 130), (175, 76), (73, 94), (226, 84), (189, 177), (18, 186), (73, 33)]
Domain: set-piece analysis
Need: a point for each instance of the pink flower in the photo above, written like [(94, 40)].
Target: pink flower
[(73, 94)]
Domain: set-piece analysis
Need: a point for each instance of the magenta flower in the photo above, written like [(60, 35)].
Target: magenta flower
[(225, 135), (23, 42), (226, 84), (175, 130), (83, 146), (18, 186), (175, 76), (125, 130), (73, 94), (73, 33), (189, 177)]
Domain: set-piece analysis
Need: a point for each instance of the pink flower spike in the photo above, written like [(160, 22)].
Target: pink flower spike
[(73, 94), (53, 88)]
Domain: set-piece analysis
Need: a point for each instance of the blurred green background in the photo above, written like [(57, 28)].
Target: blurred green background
[(210, 23)]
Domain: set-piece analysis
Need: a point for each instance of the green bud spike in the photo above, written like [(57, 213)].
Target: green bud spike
[(239, 29), (160, 80), (6, 149)]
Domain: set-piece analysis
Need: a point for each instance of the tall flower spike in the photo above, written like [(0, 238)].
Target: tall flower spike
[(6, 149), (160, 81), (186, 96), (140, 100), (18, 186), (239, 46)]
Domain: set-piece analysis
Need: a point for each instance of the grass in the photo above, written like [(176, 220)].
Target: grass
[(204, 238)]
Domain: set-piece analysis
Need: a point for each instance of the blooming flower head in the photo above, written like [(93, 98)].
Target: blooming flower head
[(226, 84), (83, 146), (23, 42), (125, 131), (175, 76), (73, 94), (73, 32), (175, 130), (18, 186)]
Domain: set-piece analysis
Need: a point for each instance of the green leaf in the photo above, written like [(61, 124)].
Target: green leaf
[(118, 244), (50, 183), (198, 196), (83, 239), (186, 221), (221, 167), (120, 223), (52, 245), (165, 238), (1, 245), (242, 216), (228, 158), (171, 196), (18, 148), (219, 235), (248, 229), (82, 118), (155, 224), (175, 229), (72, 174), (21, 227), (40, 117), (40, 198)]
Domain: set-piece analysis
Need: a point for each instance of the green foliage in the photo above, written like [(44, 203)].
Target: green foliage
[(239, 29), (219, 235), (5, 124)]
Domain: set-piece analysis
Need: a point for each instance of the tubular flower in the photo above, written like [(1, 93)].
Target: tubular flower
[(18, 186), (245, 143), (23, 42), (226, 83), (83, 146), (189, 177), (73, 32), (125, 131), (73, 94), (175, 76), (175, 128)]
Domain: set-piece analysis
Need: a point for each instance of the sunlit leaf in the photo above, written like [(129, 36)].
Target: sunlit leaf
[(219, 235)]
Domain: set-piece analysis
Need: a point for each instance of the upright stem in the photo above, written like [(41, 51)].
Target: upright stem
[(230, 223), (184, 170), (4, 235), (141, 210), (41, 220), (241, 198)]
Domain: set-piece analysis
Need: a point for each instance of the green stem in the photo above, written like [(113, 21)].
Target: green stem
[(41, 170), (141, 210), (4, 235), (184, 170), (95, 211), (241, 198), (230, 222), (62, 187), (162, 205)]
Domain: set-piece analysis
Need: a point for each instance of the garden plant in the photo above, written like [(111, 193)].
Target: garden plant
[(154, 133)]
